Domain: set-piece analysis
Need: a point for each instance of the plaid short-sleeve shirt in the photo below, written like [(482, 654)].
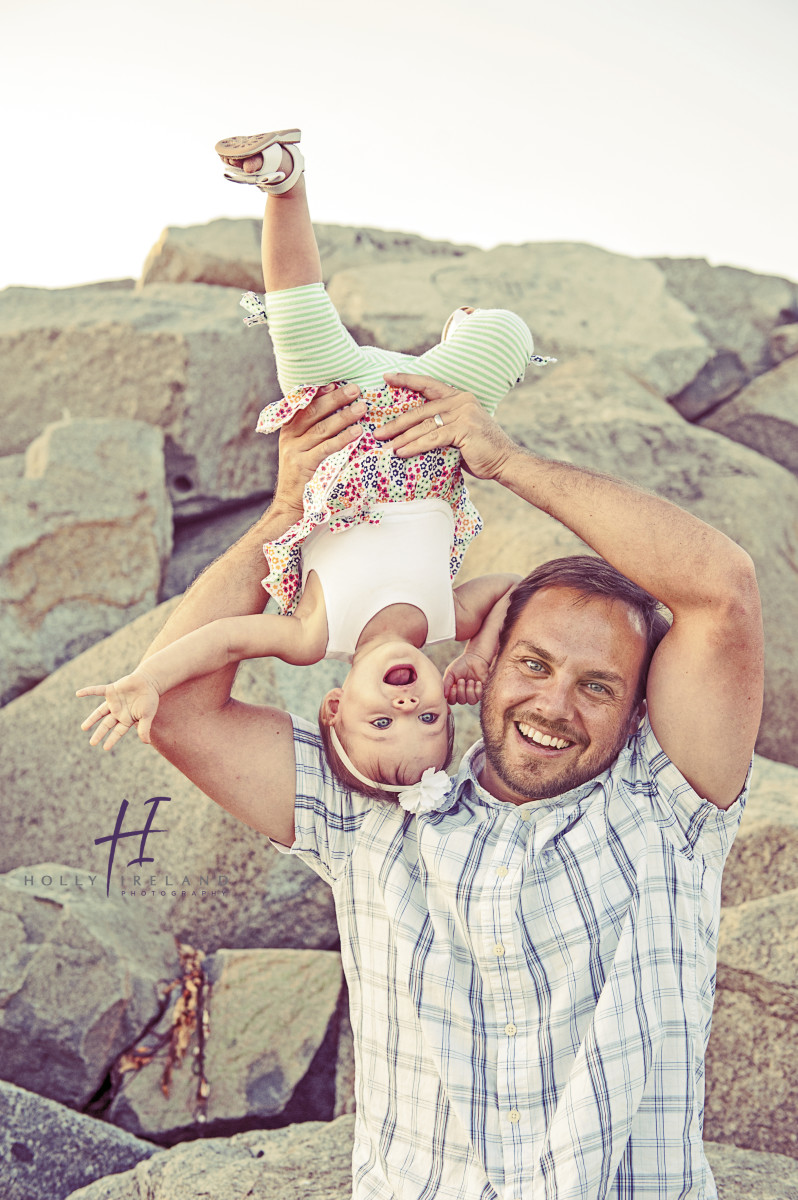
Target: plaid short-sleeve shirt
[(531, 987)]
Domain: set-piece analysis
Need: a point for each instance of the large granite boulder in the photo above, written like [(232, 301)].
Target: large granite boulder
[(763, 859), (752, 1174), (752, 1090), (262, 1017), (594, 413), (227, 252), (81, 976), (175, 356), (737, 311), (48, 1150), (313, 1161), (574, 298), (310, 1161), (84, 542), (60, 795), (764, 415)]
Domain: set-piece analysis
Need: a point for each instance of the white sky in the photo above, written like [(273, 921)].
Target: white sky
[(645, 126)]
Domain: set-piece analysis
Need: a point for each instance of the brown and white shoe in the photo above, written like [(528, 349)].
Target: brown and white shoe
[(270, 178)]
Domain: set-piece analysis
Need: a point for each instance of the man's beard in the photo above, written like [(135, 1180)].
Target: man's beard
[(539, 780)]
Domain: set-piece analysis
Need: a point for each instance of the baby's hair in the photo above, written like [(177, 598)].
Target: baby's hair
[(345, 777)]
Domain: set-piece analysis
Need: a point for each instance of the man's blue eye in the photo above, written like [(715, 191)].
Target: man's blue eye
[(428, 718), (381, 722)]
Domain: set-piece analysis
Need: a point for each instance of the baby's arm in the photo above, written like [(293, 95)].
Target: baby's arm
[(480, 606), (133, 699)]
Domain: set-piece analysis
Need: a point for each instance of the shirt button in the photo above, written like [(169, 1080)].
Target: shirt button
[(511, 1030), (514, 1116), (498, 949), (524, 814), (502, 871)]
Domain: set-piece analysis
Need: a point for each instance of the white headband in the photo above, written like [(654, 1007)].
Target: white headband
[(419, 797)]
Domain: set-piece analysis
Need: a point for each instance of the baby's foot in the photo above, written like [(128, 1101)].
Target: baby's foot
[(272, 161), (253, 165)]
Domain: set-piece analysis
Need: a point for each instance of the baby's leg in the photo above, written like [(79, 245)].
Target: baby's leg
[(486, 354), (311, 345), (289, 253)]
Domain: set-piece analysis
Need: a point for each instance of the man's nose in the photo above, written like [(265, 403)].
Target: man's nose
[(405, 702), (554, 699)]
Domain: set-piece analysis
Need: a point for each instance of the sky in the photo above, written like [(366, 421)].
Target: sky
[(644, 127)]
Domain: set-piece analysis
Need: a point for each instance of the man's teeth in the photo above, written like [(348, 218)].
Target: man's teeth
[(542, 739)]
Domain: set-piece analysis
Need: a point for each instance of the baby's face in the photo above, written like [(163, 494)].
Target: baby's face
[(392, 714)]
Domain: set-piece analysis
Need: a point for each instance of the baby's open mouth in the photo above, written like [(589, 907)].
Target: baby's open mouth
[(400, 676)]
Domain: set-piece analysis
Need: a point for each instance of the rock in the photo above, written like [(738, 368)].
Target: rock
[(345, 1064), (224, 252), (736, 311), (592, 412), (722, 377), (227, 252), (764, 857), (81, 978), (60, 794), (267, 1014), (175, 356), (575, 299), (47, 1150), (783, 342), (84, 542), (310, 1161), (751, 1174), (764, 415), (752, 1091)]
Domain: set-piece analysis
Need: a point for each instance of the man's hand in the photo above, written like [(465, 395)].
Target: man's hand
[(484, 445), (327, 424), (463, 678)]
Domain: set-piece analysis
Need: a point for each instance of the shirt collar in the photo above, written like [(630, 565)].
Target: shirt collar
[(468, 777)]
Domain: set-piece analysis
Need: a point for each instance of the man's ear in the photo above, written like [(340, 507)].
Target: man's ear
[(637, 716), (328, 713)]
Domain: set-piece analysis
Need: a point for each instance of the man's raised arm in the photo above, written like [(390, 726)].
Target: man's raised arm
[(705, 683), (242, 755)]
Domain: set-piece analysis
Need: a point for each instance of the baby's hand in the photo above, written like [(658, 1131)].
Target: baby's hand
[(132, 700), (463, 679)]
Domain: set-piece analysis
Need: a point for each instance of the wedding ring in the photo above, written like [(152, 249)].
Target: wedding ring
[(438, 419)]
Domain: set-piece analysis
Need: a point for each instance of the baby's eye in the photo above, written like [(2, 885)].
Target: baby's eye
[(381, 722), (428, 718)]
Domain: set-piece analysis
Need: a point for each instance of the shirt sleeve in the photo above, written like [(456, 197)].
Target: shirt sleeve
[(687, 817), (327, 816)]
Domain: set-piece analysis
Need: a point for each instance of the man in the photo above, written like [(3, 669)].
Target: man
[(531, 964)]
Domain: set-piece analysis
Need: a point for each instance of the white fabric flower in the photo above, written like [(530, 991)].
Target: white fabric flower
[(427, 794)]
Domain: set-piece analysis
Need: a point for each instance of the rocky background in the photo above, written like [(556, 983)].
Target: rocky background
[(179, 1028)]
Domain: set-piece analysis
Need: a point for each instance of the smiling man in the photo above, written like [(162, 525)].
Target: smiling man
[(568, 688), (530, 961)]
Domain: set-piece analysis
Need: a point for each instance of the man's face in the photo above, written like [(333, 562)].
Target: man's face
[(560, 702)]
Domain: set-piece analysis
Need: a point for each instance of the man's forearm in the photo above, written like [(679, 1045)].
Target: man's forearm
[(231, 586), (673, 555)]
